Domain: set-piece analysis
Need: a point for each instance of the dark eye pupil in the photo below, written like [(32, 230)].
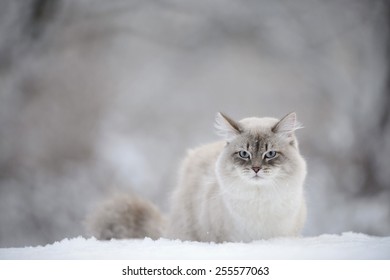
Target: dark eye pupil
[(270, 154), (244, 154)]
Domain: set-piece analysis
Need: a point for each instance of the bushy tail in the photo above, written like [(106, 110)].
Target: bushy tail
[(126, 216)]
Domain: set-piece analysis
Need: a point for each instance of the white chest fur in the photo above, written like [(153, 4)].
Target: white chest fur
[(262, 212)]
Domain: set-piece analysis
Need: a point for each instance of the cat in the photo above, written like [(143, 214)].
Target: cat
[(249, 186)]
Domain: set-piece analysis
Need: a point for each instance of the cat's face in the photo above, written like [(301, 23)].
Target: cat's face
[(257, 156), (260, 150)]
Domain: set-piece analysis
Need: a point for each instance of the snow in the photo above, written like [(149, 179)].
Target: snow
[(348, 245)]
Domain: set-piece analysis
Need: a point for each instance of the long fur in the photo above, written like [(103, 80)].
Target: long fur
[(125, 216), (219, 196)]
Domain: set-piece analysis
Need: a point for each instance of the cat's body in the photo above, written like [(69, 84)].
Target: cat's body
[(247, 187)]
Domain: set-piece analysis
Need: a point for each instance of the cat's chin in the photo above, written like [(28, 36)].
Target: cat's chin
[(257, 179)]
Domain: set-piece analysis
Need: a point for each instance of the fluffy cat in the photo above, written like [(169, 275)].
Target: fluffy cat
[(247, 187)]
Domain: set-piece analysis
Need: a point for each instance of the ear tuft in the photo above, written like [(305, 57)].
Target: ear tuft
[(226, 127), (287, 125)]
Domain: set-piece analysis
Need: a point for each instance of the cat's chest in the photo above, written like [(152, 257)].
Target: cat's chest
[(259, 208), (261, 216)]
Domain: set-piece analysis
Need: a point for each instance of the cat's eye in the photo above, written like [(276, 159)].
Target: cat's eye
[(270, 154), (244, 154)]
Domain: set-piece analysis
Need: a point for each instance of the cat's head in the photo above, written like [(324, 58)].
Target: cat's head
[(260, 150)]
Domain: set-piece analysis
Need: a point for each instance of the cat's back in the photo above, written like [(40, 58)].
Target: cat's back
[(197, 172), (201, 160)]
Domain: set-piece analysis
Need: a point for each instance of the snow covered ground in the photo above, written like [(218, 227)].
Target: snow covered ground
[(346, 246)]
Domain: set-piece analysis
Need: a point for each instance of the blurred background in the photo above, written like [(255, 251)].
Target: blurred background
[(101, 96)]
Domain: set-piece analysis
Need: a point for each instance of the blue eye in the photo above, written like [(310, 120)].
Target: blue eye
[(244, 154), (270, 154)]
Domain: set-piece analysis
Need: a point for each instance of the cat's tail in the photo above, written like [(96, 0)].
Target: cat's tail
[(125, 216)]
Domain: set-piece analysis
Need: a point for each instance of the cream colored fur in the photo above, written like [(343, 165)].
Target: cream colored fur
[(220, 198)]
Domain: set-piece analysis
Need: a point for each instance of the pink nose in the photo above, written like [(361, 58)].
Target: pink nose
[(256, 169)]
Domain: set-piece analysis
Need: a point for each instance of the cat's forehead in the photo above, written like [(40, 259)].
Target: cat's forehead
[(255, 139), (256, 131)]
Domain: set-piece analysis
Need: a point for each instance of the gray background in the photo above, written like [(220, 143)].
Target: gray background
[(103, 96)]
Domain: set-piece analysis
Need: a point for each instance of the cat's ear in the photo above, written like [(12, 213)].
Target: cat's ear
[(287, 125), (226, 127)]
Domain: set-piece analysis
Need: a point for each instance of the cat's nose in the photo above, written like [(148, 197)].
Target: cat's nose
[(256, 169)]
